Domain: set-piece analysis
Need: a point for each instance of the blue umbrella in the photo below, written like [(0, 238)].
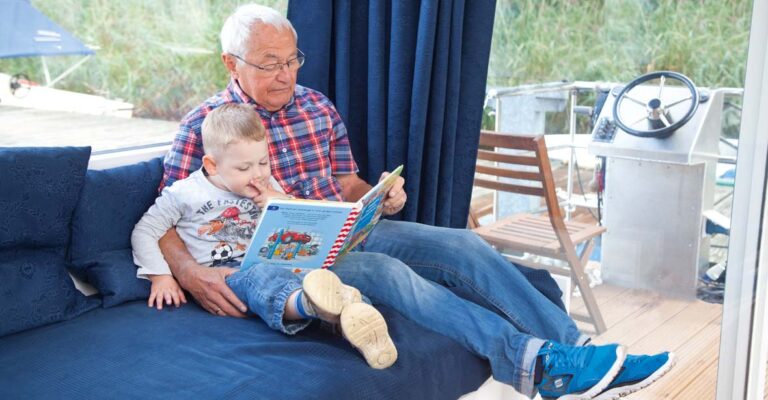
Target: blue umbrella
[(26, 32)]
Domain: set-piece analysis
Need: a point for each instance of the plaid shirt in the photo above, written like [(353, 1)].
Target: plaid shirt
[(308, 143)]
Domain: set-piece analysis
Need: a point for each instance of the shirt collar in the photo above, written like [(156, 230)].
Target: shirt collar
[(239, 94)]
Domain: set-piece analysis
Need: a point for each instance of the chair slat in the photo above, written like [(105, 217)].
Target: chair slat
[(508, 187), (508, 141), (529, 230), (524, 232), (502, 241), (506, 158), (509, 173)]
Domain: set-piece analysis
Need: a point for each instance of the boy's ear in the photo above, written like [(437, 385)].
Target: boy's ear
[(209, 163)]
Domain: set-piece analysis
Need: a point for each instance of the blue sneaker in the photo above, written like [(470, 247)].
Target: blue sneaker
[(578, 372), (637, 373)]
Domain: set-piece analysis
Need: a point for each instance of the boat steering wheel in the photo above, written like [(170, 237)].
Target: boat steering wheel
[(657, 117)]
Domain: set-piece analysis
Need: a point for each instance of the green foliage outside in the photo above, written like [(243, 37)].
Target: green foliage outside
[(163, 56), (617, 40)]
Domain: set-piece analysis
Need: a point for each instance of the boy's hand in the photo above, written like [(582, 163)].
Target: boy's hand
[(266, 192), (165, 288), (395, 200)]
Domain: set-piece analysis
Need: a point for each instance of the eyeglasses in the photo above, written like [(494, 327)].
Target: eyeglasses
[(292, 64)]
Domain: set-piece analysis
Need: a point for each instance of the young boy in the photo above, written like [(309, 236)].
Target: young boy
[(215, 211)]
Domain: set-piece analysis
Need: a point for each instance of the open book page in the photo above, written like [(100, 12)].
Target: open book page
[(298, 233), (372, 204)]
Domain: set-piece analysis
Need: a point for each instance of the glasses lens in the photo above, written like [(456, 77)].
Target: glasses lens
[(271, 67), (300, 61), (295, 63)]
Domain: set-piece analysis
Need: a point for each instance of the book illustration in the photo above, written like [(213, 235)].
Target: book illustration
[(287, 244), (307, 234), (296, 233), (372, 206)]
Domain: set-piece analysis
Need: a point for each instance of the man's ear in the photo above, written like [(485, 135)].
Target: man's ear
[(230, 62), (209, 163)]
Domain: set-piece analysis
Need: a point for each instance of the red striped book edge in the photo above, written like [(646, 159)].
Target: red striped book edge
[(337, 244)]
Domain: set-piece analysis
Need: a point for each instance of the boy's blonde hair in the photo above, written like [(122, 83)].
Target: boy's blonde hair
[(229, 123)]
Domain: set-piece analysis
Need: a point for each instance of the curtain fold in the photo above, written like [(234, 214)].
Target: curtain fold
[(408, 78)]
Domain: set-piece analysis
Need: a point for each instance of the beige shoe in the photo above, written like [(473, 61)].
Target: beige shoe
[(328, 295), (365, 328)]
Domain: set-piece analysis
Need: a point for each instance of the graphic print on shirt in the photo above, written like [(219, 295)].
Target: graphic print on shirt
[(232, 228)]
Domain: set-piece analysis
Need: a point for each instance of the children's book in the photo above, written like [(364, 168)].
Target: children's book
[(307, 234)]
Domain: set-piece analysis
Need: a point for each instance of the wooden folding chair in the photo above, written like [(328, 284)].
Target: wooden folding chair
[(543, 235)]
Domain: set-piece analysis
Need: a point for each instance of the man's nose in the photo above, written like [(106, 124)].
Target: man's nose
[(284, 74)]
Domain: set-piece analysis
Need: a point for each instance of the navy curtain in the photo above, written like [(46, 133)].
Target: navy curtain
[(408, 78)]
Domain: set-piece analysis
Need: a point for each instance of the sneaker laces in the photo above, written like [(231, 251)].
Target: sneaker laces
[(567, 358)]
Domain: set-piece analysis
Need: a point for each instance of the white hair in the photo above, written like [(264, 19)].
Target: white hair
[(237, 28)]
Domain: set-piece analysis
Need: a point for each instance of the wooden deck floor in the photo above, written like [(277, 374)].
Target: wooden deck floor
[(646, 323), (30, 127)]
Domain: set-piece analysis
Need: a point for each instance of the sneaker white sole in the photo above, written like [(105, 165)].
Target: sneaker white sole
[(366, 330), (328, 294), (621, 354), (619, 392)]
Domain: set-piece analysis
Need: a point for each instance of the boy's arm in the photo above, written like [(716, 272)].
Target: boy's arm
[(163, 215)]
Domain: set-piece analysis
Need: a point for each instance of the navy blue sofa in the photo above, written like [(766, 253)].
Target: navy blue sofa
[(57, 217)]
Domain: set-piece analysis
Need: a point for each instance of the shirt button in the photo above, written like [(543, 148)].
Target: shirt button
[(285, 150), (306, 193)]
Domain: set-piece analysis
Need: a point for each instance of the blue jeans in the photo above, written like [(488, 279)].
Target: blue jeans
[(510, 326), (265, 290), (458, 258)]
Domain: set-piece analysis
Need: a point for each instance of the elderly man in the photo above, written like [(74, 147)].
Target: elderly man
[(530, 343)]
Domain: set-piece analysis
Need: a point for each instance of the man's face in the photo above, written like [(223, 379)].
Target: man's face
[(266, 45), (242, 162)]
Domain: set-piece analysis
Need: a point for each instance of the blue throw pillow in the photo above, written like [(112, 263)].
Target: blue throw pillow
[(112, 202), (40, 188)]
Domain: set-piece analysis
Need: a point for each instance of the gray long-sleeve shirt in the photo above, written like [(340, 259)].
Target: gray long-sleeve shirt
[(215, 225)]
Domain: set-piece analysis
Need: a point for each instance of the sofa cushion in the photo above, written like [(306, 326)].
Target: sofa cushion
[(111, 204), (135, 352), (40, 188), (35, 290)]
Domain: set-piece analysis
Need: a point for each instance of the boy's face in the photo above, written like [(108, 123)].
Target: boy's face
[(242, 162)]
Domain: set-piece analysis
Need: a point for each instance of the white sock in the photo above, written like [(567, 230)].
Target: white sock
[(304, 306)]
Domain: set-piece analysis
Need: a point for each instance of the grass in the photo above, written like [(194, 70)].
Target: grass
[(162, 56), (617, 40)]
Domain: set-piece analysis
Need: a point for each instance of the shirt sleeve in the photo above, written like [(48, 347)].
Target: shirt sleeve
[(186, 153), (163, 215), (340, 153)]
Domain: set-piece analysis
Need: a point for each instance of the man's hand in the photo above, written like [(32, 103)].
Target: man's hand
[(395, 200), (208, 287)]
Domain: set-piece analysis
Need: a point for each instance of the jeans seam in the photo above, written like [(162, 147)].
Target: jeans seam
[(521, 327)]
